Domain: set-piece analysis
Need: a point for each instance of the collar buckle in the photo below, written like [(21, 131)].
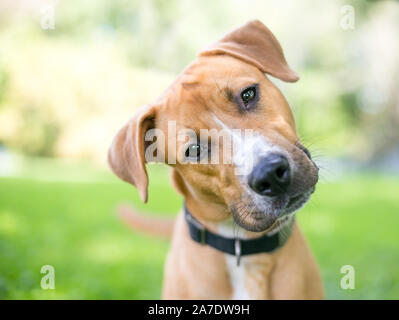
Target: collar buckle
[(203, 236), (199, 226)]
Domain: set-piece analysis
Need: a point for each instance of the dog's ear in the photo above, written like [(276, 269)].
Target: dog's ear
[(254, 43), (126, 156)]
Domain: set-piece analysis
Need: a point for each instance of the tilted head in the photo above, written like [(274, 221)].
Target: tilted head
[(227, 131)]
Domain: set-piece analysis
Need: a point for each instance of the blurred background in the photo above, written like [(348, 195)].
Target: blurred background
[(72, 72)]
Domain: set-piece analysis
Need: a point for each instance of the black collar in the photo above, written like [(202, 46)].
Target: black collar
[(236, 246)]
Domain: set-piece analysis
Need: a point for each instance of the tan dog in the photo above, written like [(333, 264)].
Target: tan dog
[(226, 88)]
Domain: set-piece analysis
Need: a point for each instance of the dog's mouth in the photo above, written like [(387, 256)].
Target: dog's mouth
[(296, 202), (267, 215)]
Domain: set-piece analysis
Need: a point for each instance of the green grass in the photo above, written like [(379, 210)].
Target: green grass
[(64, 216)]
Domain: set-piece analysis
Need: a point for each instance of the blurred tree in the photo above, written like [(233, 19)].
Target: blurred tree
[(65, 91), (3, 83)]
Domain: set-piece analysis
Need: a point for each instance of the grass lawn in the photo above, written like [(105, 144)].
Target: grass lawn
[(63, 215)]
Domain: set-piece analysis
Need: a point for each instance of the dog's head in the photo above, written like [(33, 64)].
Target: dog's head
[(267, 175)]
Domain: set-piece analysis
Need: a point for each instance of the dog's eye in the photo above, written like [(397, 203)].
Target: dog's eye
[(194, 151), (248, 95)]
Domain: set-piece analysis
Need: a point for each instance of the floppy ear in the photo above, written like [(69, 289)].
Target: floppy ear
[(126, 154), (254, 43)]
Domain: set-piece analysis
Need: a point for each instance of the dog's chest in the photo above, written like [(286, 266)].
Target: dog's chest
[(249, 280), (243, 278), (237, 276)]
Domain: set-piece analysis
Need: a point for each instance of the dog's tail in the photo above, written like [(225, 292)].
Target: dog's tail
[(157, 226)]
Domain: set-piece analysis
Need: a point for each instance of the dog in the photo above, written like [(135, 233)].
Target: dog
[(236, 237)]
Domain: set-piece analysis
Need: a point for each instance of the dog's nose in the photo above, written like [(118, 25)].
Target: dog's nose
[(271, 176)]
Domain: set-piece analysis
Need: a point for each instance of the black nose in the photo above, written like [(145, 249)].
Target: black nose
[(271, 176)]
